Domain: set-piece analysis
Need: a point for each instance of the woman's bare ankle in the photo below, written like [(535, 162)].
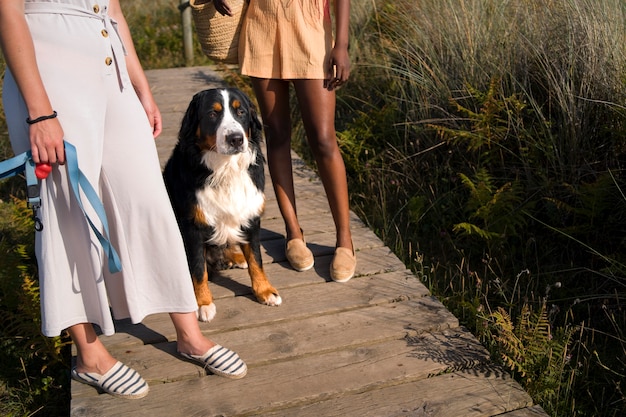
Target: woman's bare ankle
[(99, 365), (196, 347)]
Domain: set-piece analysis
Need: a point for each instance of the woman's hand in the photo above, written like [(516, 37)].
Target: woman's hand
[(46, 136), (135, 71), (222, 7), (46, 142), (338, 68), (153, 113)]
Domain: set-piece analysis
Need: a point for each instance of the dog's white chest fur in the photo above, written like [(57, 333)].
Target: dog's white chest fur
[(230, 199)]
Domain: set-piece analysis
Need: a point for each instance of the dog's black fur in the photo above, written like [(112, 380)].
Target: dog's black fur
[(217, 160)]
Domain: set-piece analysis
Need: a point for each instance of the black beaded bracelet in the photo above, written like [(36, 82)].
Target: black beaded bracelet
[(41, 118)]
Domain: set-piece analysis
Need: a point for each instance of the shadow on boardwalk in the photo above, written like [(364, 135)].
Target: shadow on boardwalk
[(379, 345)]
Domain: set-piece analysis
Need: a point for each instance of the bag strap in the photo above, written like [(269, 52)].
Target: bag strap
[(78, 180)]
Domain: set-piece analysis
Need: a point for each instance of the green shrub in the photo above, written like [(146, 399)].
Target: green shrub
[(33, 368), (156, 28), (539, 356)]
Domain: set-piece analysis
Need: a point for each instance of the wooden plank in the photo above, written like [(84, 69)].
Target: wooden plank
[(534, 411), (315, 219), (279, 342), (302, 381), (316, 204), (236, 282), (180, 84), (300, 302), (475, 393)]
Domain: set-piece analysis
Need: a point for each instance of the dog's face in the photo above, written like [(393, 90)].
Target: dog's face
[(224, 121)]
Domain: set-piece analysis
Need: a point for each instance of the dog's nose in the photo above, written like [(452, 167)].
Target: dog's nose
[(235, 140)]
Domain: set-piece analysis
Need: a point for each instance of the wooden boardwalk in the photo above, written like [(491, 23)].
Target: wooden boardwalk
[(379, 345)]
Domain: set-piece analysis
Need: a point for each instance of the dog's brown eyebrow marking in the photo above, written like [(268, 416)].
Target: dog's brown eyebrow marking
[(236, 104), (217, 106)]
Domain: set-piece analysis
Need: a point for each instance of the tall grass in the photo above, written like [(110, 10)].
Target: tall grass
[(493, 134)]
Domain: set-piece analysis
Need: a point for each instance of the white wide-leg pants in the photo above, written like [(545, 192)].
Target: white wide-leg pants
[(81, 61)]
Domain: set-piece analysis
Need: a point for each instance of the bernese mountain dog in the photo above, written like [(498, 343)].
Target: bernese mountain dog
[(215, 179)]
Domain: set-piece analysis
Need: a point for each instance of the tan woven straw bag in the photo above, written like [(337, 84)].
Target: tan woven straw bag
[(218, 35)]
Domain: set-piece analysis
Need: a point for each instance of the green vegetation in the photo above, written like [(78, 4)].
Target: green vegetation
[(158, 35), (493, 134), (33, 367)]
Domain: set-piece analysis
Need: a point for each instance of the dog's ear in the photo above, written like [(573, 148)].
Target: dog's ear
[(189, 125), (255, 123)]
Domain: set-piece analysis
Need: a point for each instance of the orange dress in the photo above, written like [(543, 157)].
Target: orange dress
[(286, 39)]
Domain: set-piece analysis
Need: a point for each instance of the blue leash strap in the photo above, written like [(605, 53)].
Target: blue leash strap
[(14, 165), (24, 162), (78, 180)]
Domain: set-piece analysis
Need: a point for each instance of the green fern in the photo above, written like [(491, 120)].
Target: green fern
[(493, 212), (494, 130), (495, 137), (536, 355)]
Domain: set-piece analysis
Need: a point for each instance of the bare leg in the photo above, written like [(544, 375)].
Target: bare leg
[(94, 363), (317, 106), (189, 338), (273, 98), (194, 346), (91, 355)]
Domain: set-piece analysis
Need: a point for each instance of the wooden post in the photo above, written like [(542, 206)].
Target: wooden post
[(185, 12)]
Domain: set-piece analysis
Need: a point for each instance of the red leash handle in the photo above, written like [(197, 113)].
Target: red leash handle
[(42, 170)]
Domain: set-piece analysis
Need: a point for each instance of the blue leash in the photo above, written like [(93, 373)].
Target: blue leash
[(78, 180), (23, 162)]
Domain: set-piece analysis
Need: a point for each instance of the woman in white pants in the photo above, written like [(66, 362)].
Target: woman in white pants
[(73, 62)]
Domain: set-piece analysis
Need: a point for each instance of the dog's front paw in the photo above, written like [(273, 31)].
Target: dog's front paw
[(273, 300), (206, 313)]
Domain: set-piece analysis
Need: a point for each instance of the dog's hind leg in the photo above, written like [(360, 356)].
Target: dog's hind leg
[(233, 257), (263, 290)]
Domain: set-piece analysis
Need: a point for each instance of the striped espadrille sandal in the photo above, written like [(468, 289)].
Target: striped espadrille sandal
[(120, 381), (220, 361)]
